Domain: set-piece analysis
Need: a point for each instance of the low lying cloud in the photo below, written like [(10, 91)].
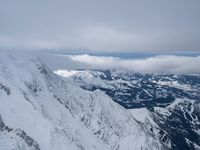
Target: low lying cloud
[(157, 64)]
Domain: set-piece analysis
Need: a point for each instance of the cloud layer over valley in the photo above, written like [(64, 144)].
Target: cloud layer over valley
[(156, 64)]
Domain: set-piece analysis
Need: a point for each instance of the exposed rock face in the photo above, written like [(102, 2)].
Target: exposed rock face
[(5, 89), (27, 140)]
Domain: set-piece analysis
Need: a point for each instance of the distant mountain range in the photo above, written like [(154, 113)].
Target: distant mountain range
[(172, 100)]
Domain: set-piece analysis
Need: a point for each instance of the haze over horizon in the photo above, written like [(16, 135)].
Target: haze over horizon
[(100, 26)]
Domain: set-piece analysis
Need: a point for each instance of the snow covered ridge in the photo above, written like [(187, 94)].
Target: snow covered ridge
[(171, 100), (40, 110), (135, 90)]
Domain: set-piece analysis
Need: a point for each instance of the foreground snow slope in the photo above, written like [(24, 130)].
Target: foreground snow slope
[(40, 110)]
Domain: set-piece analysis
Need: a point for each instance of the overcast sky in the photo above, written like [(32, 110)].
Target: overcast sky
[(100, 25)]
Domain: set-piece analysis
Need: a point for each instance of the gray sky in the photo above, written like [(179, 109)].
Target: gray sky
[(101, 25)]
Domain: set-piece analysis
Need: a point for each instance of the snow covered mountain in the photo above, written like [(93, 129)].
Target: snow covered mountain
[(172, 100), (87, 109)]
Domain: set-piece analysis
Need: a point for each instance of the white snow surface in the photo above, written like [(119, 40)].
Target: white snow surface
[(59, 115)]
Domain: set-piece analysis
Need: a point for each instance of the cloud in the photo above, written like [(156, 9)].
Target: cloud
[(157, 64), (97, 38), (106, 25)]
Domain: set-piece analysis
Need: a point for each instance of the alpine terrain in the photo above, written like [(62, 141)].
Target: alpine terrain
[(45, 109)]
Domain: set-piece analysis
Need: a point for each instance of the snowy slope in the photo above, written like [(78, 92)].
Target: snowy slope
[(41, 110), (166, 105)]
